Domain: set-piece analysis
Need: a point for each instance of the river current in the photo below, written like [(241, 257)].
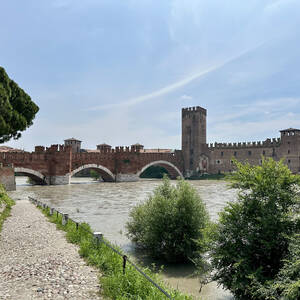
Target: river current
[(106, 206)]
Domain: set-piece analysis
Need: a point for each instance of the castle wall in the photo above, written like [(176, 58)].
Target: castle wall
[(216, 158), (287, 148)]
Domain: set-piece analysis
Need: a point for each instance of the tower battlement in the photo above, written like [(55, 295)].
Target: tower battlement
[(189, 111)]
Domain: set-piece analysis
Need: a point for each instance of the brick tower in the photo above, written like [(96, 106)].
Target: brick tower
[(194, 145)]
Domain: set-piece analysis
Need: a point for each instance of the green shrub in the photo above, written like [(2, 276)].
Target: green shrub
[(94, 174), (5, 205), (286, 285), (154, 172), (253, 234), (171, 224)]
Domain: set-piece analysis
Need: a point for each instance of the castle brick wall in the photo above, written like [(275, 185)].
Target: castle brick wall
[(218, 157)]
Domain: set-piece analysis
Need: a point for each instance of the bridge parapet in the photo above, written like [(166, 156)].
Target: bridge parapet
[(52, 149)]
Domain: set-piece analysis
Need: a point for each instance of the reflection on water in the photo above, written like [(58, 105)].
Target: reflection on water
[(105, 206)]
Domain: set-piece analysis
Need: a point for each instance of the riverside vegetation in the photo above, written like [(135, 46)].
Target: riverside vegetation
[(256, 248), (5, 205), (114, 283), (172, 223)]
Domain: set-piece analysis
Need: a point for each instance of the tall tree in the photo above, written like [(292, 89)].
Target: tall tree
[(254, 232), (17, 110)]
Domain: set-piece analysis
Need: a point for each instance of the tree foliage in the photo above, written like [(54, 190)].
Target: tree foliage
[(154, 172), (286, 284), (253, 234), (94, 174), (171, 224), (17, 110)]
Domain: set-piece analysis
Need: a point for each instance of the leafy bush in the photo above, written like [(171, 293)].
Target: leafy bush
[(171, 224), (253, 234), (154, 172), (94, 174), (286, 285), (5, 205)]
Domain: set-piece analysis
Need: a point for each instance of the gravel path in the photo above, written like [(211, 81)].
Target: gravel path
[(36, 261)]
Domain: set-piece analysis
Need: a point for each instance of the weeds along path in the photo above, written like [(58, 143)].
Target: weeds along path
[(36, 261)]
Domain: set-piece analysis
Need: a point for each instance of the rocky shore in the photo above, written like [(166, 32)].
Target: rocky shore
[(36, 261)]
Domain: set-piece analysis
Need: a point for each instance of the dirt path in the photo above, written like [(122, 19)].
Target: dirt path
[(36, 261)]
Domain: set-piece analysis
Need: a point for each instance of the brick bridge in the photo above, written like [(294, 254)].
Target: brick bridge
[(58, 163)]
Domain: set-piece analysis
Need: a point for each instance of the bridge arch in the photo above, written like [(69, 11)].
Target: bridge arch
[(106, 174), (36, 176), (173, 171)]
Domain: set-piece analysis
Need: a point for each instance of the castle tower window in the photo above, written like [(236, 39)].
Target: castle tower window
[(235, 153), (218, 161), (289, 161), (264, 152), (249, 153), (222, 153), (289, 151), (231, 162)]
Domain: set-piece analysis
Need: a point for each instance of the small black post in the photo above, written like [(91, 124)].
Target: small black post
[(98, 236), (76, 226), (124, 263)]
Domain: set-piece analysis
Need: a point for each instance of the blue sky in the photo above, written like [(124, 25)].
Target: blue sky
[(119, 71)]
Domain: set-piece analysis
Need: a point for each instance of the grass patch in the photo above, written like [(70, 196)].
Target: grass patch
[(114, 284), (5, 202)]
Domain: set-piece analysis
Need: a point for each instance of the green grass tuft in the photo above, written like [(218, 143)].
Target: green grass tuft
[(5, 202)]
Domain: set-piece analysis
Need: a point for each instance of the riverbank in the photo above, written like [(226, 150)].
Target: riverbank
[(105, 207), (6, 204), (36, 261)]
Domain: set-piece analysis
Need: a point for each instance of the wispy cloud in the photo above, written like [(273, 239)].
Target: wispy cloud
[(260, 107), (174, 86), (186, 97), (240, 131)]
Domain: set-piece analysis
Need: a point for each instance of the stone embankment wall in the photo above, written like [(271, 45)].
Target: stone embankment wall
[(7, 178)]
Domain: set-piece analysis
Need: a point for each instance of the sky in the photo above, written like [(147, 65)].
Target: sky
[(120, 71)]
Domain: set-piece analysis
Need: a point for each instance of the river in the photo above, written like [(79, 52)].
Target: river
[(105, 206)]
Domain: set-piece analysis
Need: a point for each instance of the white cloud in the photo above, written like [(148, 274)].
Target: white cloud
[(240, 131), (186, 97), (254, 109)]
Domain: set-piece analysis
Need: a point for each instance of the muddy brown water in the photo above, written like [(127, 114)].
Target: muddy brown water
[(105, 206)]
